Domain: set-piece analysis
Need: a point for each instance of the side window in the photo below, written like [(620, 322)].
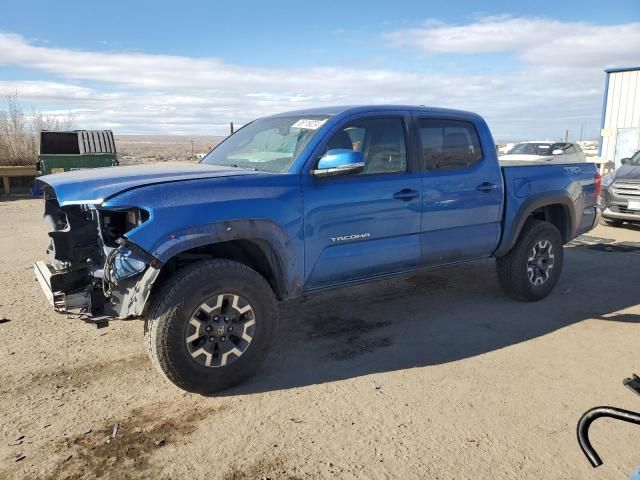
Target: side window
[(449, 144), (555, 146), (565, 147), (381, 140)]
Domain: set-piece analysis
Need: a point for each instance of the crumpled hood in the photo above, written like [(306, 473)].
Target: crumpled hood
[(627, 172), (521, 156), (95, 185)]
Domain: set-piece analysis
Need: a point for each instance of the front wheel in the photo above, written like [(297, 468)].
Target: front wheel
[(532, 268), (210, 325)]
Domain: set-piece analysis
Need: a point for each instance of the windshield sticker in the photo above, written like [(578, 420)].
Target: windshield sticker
[(308, 124)]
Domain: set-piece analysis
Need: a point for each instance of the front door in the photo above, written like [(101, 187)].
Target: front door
[(367, 224)]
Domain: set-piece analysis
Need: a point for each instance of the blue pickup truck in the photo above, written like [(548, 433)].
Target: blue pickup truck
[(292, 204)]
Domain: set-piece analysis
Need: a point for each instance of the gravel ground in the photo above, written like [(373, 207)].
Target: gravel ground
[(437, 375)]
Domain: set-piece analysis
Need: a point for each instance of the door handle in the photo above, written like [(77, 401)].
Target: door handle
[(486, 187), (406, 194)]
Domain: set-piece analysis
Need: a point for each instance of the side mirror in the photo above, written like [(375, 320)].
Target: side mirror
[(339, 162), (625, 161), (558, 151)]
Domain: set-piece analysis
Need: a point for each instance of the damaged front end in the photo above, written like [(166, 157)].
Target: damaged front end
[(94, 271)]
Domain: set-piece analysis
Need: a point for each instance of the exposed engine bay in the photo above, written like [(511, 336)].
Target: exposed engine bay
[(94, 269)]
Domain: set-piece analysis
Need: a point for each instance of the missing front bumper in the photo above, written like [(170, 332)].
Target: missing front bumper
[(43, 275), (128, 299), (78, 302)]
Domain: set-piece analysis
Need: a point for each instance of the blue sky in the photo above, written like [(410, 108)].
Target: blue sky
[(532, 68)]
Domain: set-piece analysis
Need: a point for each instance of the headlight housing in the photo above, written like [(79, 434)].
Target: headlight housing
[(115, 223), (126, 264)]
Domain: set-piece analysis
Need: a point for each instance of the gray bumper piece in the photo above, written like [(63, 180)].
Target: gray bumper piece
[(77, 302)]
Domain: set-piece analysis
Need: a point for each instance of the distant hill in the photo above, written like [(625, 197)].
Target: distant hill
[(162, 148)]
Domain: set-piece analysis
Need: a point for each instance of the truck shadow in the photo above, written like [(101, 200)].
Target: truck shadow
[(634, 227), (437, 317)]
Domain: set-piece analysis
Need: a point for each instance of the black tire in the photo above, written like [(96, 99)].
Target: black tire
[(514, 274), (179, 300), (611, 222)]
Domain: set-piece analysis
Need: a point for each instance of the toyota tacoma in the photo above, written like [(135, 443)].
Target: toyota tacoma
[(292, 204)]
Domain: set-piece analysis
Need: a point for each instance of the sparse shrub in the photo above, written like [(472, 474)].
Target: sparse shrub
[(19, 133)]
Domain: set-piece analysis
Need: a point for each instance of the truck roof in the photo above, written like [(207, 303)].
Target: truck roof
[(351, 109)]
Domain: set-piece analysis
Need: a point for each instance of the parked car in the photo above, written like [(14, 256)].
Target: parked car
[(293, 204), (621, 196), (505, 148), (557, 152)]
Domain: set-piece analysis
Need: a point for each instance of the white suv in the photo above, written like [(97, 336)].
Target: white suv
[(557, 152)]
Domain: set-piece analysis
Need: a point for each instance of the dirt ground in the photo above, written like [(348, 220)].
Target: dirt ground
[(432, 376)]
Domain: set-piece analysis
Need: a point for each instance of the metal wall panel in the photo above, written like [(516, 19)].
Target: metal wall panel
[(622, 108)]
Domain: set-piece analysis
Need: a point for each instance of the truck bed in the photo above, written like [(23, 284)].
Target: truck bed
[(527, 183), (532, 163)]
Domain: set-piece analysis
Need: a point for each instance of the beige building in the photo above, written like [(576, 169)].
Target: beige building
[(620, 129)]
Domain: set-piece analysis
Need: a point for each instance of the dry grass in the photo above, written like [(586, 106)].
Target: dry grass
[(162, 148), (19, 131)]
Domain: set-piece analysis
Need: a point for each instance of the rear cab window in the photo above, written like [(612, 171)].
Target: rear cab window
[(448, 144)]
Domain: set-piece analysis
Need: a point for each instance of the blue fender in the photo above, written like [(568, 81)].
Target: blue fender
[(266, 234)]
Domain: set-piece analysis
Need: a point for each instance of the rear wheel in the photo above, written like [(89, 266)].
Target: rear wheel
[(210, 325), (532, 268), (610, 222)]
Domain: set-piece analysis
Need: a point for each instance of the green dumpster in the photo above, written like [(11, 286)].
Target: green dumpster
[(75, 150)]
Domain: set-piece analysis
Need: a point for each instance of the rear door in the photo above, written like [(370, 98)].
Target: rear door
[(461, 189), (368, 224)]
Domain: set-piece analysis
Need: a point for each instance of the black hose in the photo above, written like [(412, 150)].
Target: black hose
[(589, 417), (106, 273)]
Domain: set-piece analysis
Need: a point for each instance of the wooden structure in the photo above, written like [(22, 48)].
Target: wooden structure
[(15, 171)]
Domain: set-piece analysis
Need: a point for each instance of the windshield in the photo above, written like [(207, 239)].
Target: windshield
[(269, 144)]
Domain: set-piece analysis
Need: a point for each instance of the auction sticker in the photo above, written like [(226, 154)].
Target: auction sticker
[(309, 124)]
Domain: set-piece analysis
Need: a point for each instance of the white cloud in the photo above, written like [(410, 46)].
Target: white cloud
[(138, 92), (45, 91), (536, 40)]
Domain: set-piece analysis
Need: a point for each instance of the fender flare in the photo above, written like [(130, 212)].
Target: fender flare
[(545, 199), (269, 236)]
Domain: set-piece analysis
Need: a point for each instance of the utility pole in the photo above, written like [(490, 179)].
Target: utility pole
[(566, 135), (231, 126), (581, 127), (191, 149)]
